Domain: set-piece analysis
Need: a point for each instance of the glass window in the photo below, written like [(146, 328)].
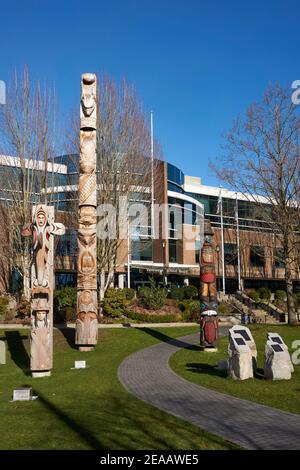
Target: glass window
[(279, 258), (257, 256), (67, 244), (230, 254), (65, 279), (141, 250), (197, 251), (175, 175), (172, 251)]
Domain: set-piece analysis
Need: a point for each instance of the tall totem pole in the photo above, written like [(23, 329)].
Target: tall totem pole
[(87, 320), (208, 292), (41, 229)]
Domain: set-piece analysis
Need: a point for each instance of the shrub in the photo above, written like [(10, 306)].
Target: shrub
[(3, 306), (264, 293), (254, 295), (152, 318), (65, 297), (153, 297), (297, 297), (64, 304), (70, 313), (9, 315), (190, 292), (177, 293), (280, 295), (23, 308), (115, 302), (129, 293), (224, 308), (190, 310), (171, 302)]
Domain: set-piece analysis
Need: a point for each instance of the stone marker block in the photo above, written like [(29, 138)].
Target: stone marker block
[(247, 335), (277, 362), (276, 338), (240, 364)]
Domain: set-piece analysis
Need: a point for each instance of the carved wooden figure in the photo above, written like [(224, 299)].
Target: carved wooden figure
[(41, 229), (208, 292), (87, 320)]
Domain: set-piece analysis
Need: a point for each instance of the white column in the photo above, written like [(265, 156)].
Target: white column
[(121, 281), (186, 281)]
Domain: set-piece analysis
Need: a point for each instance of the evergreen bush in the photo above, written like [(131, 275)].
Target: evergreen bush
[(153, 297), (280, 295), (264, 293), (115, 303), (254, 295), (177, 293), (190, 310), (65, 304), (190, 292), (129, 293)]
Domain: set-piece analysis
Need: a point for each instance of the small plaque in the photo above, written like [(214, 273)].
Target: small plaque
[(80, 364), (22, 394), (276, 339), (240, 341), (244, 334), (277, 348)]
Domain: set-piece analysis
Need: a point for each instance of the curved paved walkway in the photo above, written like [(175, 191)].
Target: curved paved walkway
[(147, 375)]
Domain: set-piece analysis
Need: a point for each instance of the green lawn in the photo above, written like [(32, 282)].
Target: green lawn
[(199, 367), (89, 408)]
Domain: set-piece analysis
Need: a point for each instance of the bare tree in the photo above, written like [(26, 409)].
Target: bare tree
[(123, 165), (27, 130), (262, 161)]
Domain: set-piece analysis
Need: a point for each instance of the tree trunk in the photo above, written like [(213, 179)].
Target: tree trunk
[(26, 277), (292, 316), (101, 290)]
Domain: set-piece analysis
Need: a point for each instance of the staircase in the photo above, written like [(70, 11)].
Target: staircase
[(245, 305)]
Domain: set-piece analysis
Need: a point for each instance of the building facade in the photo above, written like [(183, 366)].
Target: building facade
[(168, 246)]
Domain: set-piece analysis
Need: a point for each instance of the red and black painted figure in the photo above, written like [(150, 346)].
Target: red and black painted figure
[(209, 329), (208, 291)]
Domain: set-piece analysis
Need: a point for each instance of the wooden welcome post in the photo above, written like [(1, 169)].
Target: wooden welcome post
[(41, 229)]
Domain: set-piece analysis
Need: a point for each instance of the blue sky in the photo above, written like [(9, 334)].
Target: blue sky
[(197, 64)]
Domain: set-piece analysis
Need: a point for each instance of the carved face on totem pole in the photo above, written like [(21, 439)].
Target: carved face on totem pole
[(88, 95), (87, 322), (87, 217), (88, 101), (40, 311), (41, 219)]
